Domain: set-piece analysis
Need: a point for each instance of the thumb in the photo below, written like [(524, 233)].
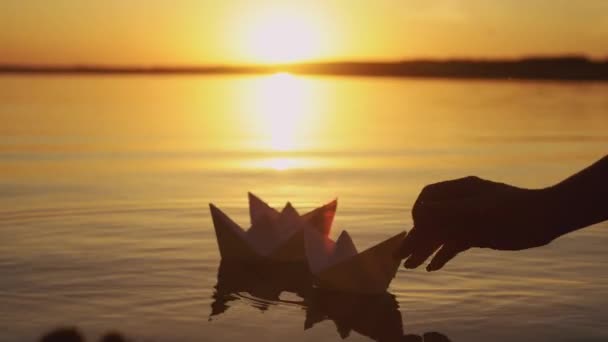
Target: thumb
[(445, 254)]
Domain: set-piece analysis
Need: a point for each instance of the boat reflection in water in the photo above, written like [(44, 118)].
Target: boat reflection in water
[(375, 316), (265, 282)]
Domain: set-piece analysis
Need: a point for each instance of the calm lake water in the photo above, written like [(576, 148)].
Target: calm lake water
[(105, 184)]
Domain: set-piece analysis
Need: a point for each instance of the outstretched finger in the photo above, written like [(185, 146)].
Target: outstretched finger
[(445, 254), (412, 239), (420, 254)]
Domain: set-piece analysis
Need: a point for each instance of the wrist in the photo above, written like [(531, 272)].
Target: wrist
[(546, 210), (563, 209)]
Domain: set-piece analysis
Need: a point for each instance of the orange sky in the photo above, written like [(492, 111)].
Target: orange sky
[(242, 31)]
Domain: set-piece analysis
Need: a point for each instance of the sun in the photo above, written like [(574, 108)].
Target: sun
[(282, 36)]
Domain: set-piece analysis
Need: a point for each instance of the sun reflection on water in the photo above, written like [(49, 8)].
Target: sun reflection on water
[(283, 111), (283, 115), (283, 163)]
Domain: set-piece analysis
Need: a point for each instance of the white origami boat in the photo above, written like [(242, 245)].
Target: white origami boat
[(288, 237), (338, 266), (273, 236)]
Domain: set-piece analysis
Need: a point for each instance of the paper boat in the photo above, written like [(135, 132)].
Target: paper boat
[(338, 266), (273, 236)]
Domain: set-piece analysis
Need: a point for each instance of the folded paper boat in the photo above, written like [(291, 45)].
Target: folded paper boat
[(286, 236), (274, 236), (338, 266)]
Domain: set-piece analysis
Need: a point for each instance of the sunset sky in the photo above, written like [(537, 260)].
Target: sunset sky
[(164, 32)]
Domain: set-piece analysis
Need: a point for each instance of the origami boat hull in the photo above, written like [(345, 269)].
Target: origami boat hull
[(231, 239), (287, 237), (273, 236), (369, 272)]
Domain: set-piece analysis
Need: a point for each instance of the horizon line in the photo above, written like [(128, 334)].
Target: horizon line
[(479, 59), (554, 67)]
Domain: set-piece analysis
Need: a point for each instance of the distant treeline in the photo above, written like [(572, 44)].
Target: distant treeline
[(544, 68)]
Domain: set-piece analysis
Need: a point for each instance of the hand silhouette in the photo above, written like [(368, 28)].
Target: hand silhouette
[(456, 215)]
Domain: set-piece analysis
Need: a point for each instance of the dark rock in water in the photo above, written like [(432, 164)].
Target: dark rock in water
[(113, 337), (435, 337), (411, 338), (63, 335)]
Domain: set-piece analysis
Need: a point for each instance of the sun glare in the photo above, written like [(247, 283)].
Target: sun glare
[(283, 37)]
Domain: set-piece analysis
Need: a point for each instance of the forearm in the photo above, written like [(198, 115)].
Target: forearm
[(580, 200)]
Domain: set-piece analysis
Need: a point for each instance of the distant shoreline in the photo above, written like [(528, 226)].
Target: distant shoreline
[(533, 68)]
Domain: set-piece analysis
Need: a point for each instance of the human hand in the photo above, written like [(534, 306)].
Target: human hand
[(456, 215)]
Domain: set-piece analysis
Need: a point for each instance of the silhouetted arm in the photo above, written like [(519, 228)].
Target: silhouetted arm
[(580, 200), (453, 216)]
